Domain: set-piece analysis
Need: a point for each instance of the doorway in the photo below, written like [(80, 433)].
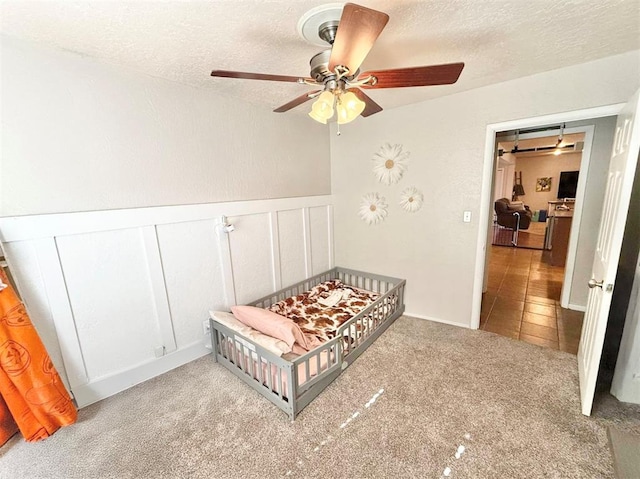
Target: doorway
[(618, 185), (535, 196), (539, 281)]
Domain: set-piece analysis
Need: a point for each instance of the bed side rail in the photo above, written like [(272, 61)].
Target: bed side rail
[(293, 290), (363, 280), (358, 329), (359, 279)]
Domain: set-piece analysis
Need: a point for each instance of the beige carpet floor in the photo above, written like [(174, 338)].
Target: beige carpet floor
[(625, 452), (516, 403)]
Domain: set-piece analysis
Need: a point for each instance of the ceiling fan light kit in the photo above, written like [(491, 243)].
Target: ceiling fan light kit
[(349, 107), (350, 31), (322, 108)]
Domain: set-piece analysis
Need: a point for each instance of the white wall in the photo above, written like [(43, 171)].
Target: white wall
[(120, 296), (534, 167), (81, 135), (433, 249), (119, 289)]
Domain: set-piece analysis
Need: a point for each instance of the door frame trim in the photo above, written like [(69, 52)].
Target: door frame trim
[(486, 192)]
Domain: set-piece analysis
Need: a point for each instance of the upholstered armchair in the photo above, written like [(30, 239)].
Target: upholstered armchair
[(512, 217)]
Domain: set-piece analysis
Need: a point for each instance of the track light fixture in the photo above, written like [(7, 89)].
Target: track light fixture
[(515, 143), (558, 149)]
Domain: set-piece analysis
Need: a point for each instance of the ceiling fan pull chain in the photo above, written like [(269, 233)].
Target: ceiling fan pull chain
[(336, 99), (335, 105)]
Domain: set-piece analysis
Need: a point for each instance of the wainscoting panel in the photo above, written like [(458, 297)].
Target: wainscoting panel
[(321, 239), (292, 246), (251, 257), (111, 298), (193, 276), (120, 296)]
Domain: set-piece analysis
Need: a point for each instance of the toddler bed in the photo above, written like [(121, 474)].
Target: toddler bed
[(292, 344)]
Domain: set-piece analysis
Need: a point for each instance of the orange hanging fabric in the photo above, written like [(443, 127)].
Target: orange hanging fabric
[(8, 426), (29, 384)]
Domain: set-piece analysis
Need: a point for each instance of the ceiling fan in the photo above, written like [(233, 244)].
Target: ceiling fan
[(351, 32)]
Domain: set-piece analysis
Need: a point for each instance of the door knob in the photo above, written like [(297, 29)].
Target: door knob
[(593, 283)]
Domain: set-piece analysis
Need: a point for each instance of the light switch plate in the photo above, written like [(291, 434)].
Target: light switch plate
[(466, 217)]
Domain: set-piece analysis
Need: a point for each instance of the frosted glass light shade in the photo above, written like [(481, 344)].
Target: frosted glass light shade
[(349, 107), (322, 108)]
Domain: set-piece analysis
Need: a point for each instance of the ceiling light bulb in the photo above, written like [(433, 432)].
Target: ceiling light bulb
[(349, 107), (322, 108), (317, 118), (557, 151)]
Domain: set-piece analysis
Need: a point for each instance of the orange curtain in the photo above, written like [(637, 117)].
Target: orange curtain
[(33, 397)]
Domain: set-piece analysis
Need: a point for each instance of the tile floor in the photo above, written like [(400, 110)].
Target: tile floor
[(523, 300)]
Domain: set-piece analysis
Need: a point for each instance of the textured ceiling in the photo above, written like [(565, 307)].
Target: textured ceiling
[(183, 41)]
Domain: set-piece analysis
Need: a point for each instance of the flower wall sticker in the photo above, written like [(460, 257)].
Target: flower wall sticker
[(411, 199), (373, 208), (390, 163)]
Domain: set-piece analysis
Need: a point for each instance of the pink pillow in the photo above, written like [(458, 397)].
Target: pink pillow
[(270, 323)]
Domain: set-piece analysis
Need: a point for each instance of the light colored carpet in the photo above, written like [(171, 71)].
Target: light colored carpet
[(518, 402), (625, 451)]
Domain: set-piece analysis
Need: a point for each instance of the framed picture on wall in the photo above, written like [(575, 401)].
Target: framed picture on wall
[(543, 184)]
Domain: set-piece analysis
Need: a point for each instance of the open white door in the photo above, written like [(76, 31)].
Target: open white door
[(626, 147)]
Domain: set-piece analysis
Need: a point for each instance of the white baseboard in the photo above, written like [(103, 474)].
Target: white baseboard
[(577, 307), (104, 387), (443, 321)]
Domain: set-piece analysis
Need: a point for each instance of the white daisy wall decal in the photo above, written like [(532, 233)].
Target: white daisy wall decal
[(390, 163), (411, 199), (373, 208)]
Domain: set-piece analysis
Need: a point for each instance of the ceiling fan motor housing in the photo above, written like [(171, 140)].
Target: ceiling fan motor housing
[(320, 66)]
